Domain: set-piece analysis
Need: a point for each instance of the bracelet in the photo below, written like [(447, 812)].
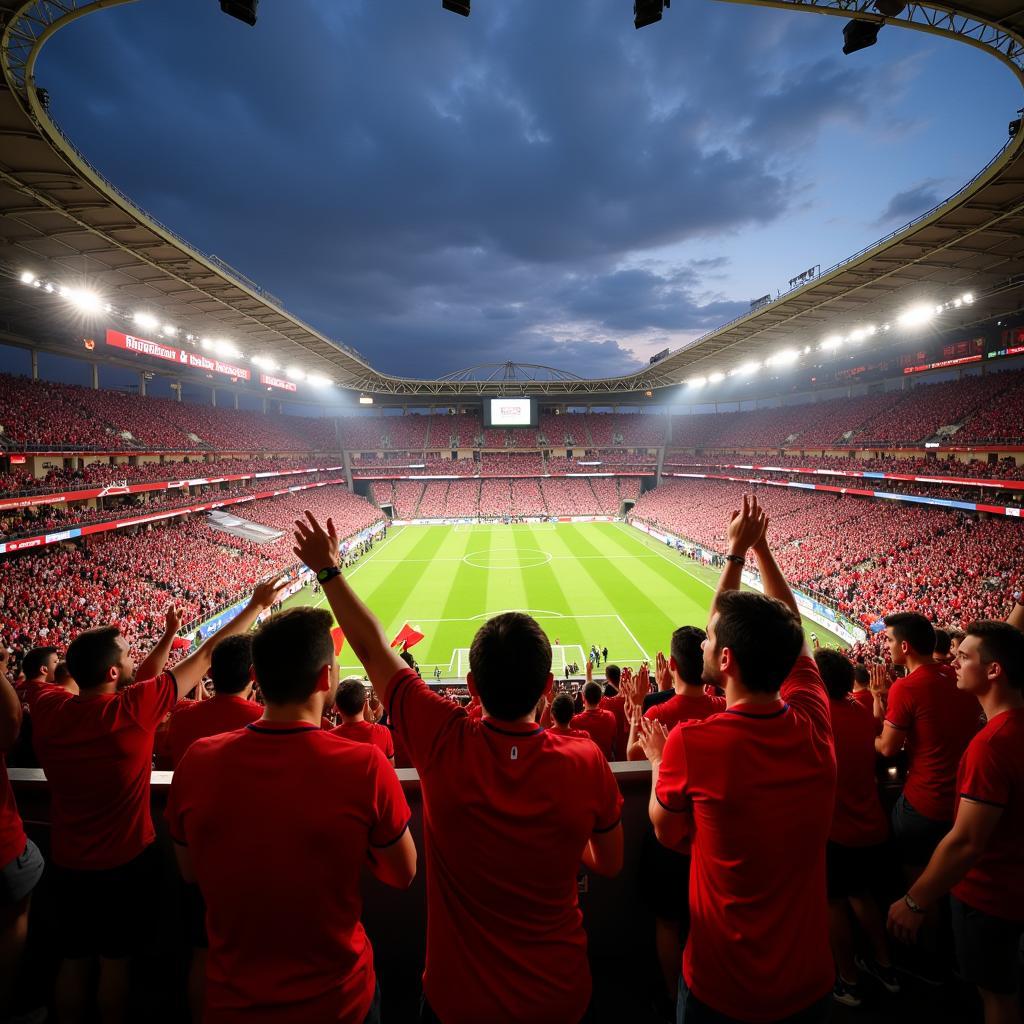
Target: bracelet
[(912, 904), (736, 559)]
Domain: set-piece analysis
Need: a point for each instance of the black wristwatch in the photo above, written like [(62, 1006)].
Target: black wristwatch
[(738, 559), (327, 574)]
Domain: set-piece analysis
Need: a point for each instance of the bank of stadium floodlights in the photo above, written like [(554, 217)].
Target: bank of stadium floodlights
[(90, 304), (910, 319)]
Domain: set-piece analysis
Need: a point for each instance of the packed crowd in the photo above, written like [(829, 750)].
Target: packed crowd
[(768, 887)]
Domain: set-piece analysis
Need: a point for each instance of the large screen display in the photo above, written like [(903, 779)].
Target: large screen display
[(510, 412)]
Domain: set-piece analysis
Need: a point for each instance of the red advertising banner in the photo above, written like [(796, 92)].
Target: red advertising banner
[(277, 382), (170, 353)]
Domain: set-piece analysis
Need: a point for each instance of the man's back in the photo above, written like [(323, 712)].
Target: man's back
[(858, 819), (97, 754), (616, 704), (939, 721), (683, 708), (367, 732), (508, 811), (759, 782), (197, 719), (600, 726), (278, 818)]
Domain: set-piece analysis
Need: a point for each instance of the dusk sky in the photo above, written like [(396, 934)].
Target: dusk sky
[(539, 182)]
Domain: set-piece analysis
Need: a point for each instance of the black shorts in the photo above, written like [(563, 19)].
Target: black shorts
[(109, 913), (855, 870), (916, 836), (663, 880), (986, 948), (193, 912)]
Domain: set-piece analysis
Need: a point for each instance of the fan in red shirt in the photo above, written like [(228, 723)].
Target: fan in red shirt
[(562, 710), (279, 874), (753, 787), (599, 725), (96, 749), (505, 938), (350, 701), (862, 689), (21, 863), (614, 701), (981, 860), (858, 851), (935, 720)]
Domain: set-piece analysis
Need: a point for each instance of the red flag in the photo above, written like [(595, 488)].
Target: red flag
[(339, 639), (180, 643), (407, 637)]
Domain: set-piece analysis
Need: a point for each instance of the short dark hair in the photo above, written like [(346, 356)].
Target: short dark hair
[(836, 672), (92, 654), (510, 659), (687, 653), (1003, 644), (592, 693), (230, 663), (764, 635), (407, 657), (562, 709), (914, 629), (32, 663), (289, 652), (351, 696), (613, 674), (946, 640), (861, 674)]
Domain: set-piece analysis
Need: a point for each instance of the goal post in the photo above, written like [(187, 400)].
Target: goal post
[(561, 655)]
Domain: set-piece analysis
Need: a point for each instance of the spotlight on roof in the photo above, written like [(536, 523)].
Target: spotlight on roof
[(146, 320), (647, 12), (457, 6), (716, 378), (697, 382), (170, 331), (859, 35), (890, 8), (27, 277), (784, 357), (87, 302), (243, 10), (366, 399), (226, 349), (916, 316), (967, 297), (832, 342), (319, 381), (294, 373)]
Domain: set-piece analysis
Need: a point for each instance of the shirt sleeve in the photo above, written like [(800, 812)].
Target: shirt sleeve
[(390, 809), (673, 774), (149, 702), (899, 712), (983, 779), (389, 743), (174, 813), (421, 718), (804, 690), (609, 805)]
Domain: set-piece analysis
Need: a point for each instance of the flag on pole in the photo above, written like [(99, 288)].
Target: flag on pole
[(408, 636)]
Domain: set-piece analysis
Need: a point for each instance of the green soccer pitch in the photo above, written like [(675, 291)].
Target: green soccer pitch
[(585, 583)]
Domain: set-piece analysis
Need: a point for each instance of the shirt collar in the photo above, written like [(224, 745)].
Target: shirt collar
[(513, 728), (282, 728)]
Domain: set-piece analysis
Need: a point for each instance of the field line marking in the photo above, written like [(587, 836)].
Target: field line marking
[(632, 636), (376, 551), (631, 533)]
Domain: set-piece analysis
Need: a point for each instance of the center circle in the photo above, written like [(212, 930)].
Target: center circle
[(507, 558)]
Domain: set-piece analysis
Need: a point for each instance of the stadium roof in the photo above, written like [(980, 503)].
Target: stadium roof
[(60, 218)]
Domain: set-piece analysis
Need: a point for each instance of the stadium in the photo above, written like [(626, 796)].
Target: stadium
[(185, 458)]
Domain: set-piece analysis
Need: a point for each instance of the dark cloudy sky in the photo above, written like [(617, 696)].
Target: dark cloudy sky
[(538, 182)]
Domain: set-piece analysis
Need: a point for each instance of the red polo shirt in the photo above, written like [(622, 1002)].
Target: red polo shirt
[(507, 812), (557, 730), (600, 726), (367, 732), (681, 708), (858, 818), (617, 706), (281, 875), (12, 832), (97, 753), (757, 783), (992, 772), (939, 721), (195, 719), (865, 698)]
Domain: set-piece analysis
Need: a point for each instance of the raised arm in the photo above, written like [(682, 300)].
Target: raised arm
[(191, 671), (1016, 617), (10, 705), (318, 549), (153, 663), (746, 530)]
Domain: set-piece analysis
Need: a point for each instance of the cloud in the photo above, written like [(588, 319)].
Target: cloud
[(906, 205)]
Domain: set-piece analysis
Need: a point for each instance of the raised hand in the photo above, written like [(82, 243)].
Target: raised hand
[(268, 592), (172, 619), (652, 737), (662, 673), (747, 526), (318, 548), (878, 676)]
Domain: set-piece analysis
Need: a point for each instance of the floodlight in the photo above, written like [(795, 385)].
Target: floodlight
[(784, 357), (146, 320), (27, 277), (647, 12), (859, 35), (226, 349), (833, 341), (697, 382), (457, 6), (294, 373), (171, 332), (716, 378), (206, 344), (48, 287), (243, 10), (968, 297), (916, 316), (748, 368), (87, 302), (319, 381)]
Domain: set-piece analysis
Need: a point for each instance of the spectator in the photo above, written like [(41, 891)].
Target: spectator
[(351, 703), (760, 830), (946, 643), (562, 711), (598, 724), (62, 677), (38, 667), (505, 940), (981, 860), (613, 701), (935, 720), (21, 863), (105, 863), (857, 853), (862, 688), (248, 806)]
